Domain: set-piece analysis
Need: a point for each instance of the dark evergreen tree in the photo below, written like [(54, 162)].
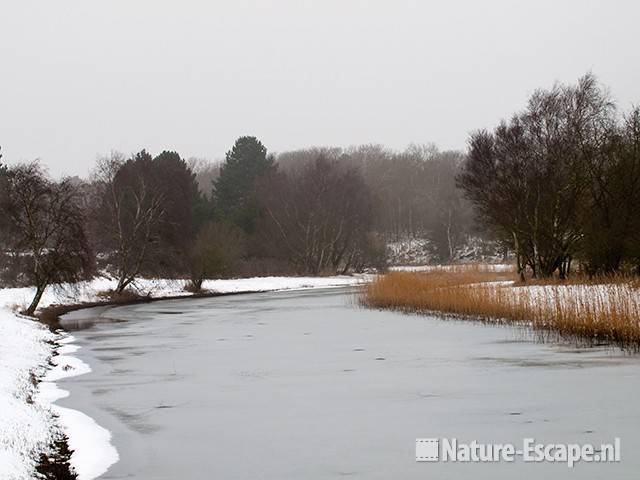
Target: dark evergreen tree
[(177, 183), (236, 189)]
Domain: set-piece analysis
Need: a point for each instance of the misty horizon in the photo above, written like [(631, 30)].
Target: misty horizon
[(82, 79)]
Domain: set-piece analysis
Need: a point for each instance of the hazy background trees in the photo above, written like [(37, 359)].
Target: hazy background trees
[(206, 173), (414, 194), (319, 217)]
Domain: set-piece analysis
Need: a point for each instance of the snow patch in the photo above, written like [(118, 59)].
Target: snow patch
[(93, 452)]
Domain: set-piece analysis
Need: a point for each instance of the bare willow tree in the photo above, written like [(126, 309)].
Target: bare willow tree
[(46, 229), (129, 209), (319, 217)]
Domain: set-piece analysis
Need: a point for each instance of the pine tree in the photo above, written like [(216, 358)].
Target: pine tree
[(245, 166)]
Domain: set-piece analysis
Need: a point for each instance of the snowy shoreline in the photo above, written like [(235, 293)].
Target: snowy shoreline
[(33, 359), (80, 429)]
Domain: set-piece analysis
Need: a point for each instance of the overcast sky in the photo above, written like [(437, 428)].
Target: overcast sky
[(79, 78)]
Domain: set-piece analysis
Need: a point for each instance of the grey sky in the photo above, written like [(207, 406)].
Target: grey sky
[(79, 78)]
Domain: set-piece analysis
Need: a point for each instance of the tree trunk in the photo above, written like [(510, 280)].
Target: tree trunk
[(519, 263), (36, 300), (123, 283), (562, 269), (196, 285), (449, 239)]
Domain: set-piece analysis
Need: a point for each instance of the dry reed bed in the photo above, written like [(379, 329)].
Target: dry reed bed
[(594, 312)]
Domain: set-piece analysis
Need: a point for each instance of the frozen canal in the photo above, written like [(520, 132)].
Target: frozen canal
[(304, 385)]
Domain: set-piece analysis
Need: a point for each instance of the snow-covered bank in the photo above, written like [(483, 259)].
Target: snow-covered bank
[(89, 291), (91, 444), (27, 409), (26, 427)]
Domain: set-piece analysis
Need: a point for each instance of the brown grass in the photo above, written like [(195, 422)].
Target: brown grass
[(598, 311)]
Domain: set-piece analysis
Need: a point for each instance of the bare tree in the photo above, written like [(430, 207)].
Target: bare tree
[(129, 210), (319, 217), (47, 229), (530, 177)]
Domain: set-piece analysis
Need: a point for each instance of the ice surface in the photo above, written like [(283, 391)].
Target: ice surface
[(27, 423), (300, 341), (307, 385)]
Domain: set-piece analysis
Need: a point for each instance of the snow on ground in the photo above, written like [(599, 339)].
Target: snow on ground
[(497, 267), (27, 409), (19, 298), (422, 251), (412, 251), (26, 428), (282, 283), (582, 300)]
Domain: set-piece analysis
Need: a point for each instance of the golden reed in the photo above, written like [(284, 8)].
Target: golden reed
[(605, 310)]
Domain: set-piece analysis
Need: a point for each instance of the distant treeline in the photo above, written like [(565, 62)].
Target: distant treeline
[(316, 211), (558, 182)]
